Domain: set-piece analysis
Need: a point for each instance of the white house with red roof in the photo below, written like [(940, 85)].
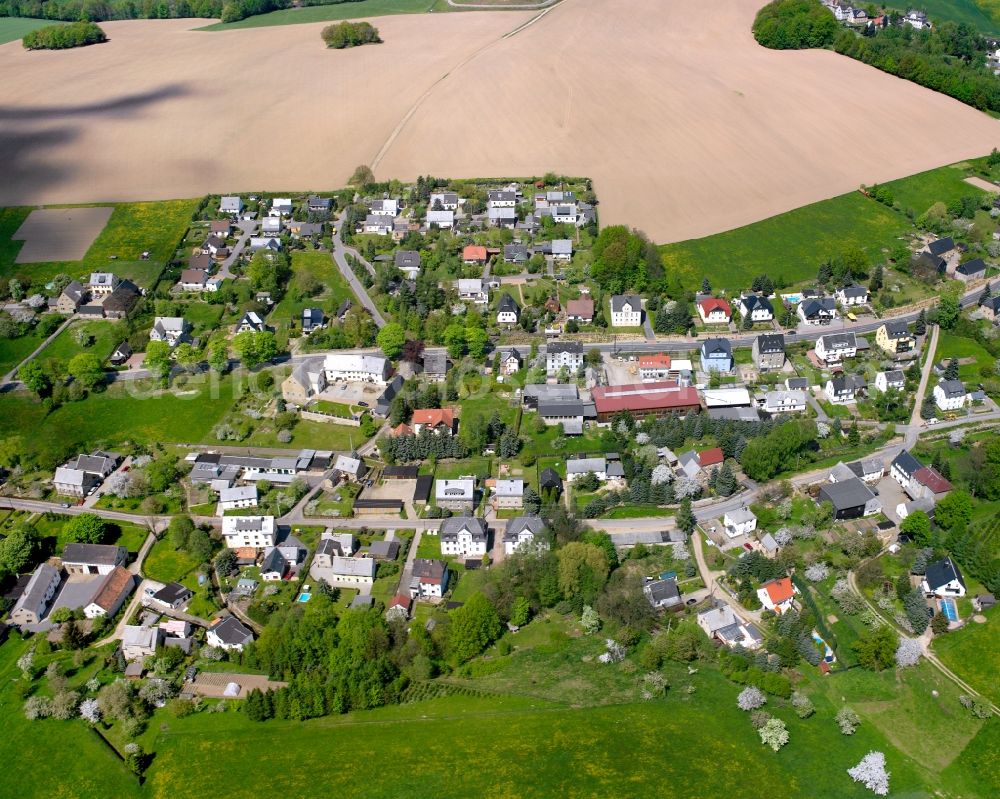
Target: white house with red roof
[(714, 311), (437, 420), (777, 595)]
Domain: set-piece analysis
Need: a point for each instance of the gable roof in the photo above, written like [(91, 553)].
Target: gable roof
[(751, 302), (710, 457), (115, 583), (93, 554), (846, 494), (779, 590), (434, 417), (771, 343), (710, 304), (941, 246), (583, 307), (508, 305), (717, 347), (941, 572), (231, 631), (549, 478), (618, 302), (519, 524), (974, 267), (906, 463)]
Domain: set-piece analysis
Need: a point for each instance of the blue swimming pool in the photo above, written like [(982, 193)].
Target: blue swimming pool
[(304, 597), (949, 609)]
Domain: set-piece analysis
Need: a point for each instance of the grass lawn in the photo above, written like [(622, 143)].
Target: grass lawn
[(15, 350), (166, 564), (106, 335), (53, 758), (314, 435), (951, 346), (12, 28), (637, 512), (349, 10), (287, 314), (124, 412), (789, 245), (947, 183), (973, 653), (134, 228), (975, 14)]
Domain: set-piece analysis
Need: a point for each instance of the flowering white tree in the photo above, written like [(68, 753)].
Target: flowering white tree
[(119, 484), (654, 684), (37, 707), (26, 661), (686, 487), (774, 734), (784, 508), (35, 301), (90, 711), (871, 773), (661, 474), (848, 721), (908, 652), (615, 653), (641, 438), (751, 698), (783, 537), (681, 551), (803, 705), (589, 620), (93, 684), (822, 429), (817, 572)]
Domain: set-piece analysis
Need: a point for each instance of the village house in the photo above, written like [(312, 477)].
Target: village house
[(193, 280), (251, 322), (172, 595), (472, 290), (716, 355), (784, 402), (893, 378), (834, 347), (769, 351), (231, 205), (30, 607), (269, 243), (248, 531), (756, 308), (408, 262), (508, 494), (378, 224), (228, 633), (971, 270), (851, 499), (101, 284), (445, 220), (944, 250), (171, 329), (894, 337), (501, 198), (722, 624), (577, 467), (580, 310), (332, 545), (111, 593), (238, 497), (349, 468), (740, 521), (464, 535), (444, 200), (989, 307), (440, 421), (522, 532), (777, 595), (561, 249), (474, 255), (351, 572), (93, 558), (818, 310), (430, 578), (663, 594), (509, 361), (714, 311), (626, 310), (71, 298), (271, 226), (515, 254), (852, 296), (140, 642), (319, 205), (78, 477), (943, 579), (563, 355), (508, 311), (844, 389), (435, 366), (312, 319), (868, 470), (950, 395), (655, 367), (917, 480), (501, 217), (456, 495), (387, 206)]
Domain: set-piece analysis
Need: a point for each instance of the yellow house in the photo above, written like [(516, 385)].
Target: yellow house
[(894, 337)]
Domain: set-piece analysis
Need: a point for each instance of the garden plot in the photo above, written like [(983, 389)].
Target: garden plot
[(59, 234)]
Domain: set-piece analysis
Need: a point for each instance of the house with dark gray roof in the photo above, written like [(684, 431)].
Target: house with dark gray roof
[(31, 606), (851, 499), (508, 311), (769, 351), (464, 535), (228, 633), (663, 594), (943, 578), (521, 531), (818, 311)]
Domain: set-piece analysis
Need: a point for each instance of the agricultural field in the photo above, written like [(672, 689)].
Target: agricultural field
[(736, 99), (973, 653)]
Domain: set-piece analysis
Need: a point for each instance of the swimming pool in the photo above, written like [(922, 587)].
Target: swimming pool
[(304, 597), (795, 299), (949, 609)]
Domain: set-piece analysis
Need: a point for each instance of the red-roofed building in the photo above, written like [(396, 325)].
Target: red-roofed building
[(474, 254), (640, 400), (438, 420), (402, 429), (714, 311), (399, 607), (931, 479), (710, 457), (582, 310), (777, 595), (654, 367)]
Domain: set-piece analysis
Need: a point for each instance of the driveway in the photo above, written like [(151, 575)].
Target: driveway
[(248, 227), (340, 253)]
